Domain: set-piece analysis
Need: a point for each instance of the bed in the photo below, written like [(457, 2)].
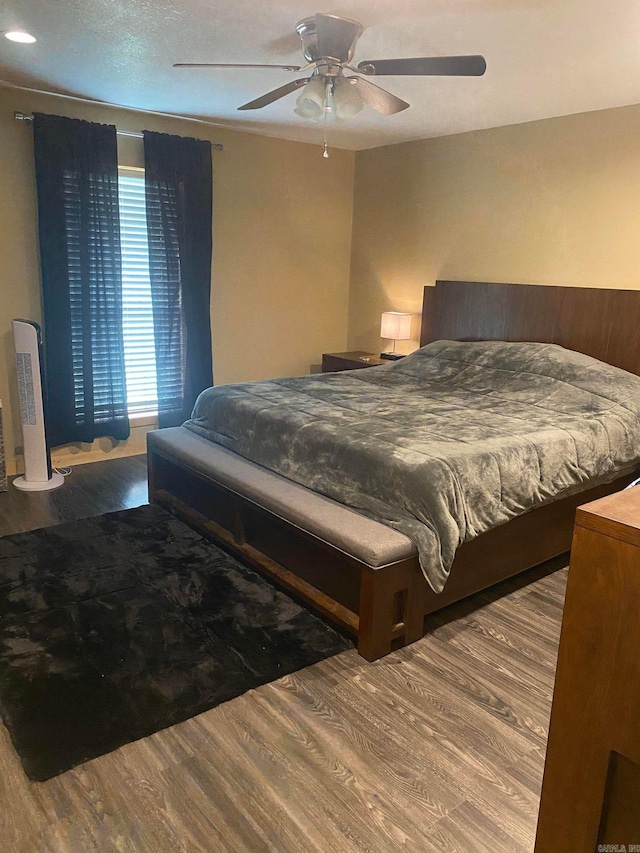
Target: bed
[(380, 580)]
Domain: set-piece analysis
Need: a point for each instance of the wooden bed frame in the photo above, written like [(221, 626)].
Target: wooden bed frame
[(385, 607)]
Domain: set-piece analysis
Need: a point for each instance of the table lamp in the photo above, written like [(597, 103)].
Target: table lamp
[(396, 326)]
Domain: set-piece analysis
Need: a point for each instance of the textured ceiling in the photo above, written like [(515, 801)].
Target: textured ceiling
[(544, 58)]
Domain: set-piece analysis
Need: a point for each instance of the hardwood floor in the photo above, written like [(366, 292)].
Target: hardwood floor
[(90, 489), (438, 747)]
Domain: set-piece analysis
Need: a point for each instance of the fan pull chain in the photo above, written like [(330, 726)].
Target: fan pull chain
[(326, 109)]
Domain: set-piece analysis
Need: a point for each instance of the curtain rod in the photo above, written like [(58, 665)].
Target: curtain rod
[(217, 146)]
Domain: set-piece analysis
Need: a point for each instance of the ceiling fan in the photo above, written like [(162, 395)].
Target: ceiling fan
[(328, 45)]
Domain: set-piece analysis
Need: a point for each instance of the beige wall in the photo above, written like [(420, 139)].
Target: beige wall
[(281, 249), (549, 202)]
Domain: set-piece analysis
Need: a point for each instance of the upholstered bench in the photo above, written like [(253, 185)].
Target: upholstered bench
[(343, 563)]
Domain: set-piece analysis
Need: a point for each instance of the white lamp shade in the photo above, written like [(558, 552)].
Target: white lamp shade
[(310, 102), (396, 326), (346, 98)]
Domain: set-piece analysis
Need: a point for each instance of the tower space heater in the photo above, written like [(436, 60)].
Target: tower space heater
[(38, 476)]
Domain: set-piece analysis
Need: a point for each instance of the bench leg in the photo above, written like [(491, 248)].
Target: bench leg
[(390, 607), (376, 616)]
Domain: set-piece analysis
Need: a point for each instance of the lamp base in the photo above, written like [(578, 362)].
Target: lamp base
[(391, 356)]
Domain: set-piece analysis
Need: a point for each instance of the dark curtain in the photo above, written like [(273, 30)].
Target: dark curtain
[(178, 180), (77, 181)]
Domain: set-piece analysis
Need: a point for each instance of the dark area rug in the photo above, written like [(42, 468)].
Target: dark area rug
[(112, 628)]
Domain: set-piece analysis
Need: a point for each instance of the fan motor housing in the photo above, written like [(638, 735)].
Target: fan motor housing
[(306, 29)]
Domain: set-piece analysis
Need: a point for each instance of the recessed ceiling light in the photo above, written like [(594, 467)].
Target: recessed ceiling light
[(21, 37)]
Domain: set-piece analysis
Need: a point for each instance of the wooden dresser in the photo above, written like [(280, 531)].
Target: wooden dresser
[(3, 468), (591, 788)]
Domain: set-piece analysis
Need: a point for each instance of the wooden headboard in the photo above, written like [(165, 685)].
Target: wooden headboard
[(602, 323)]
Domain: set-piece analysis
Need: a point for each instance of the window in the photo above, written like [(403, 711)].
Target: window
[(137, 313)]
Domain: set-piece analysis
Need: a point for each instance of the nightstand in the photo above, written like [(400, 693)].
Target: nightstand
[(334, 361)]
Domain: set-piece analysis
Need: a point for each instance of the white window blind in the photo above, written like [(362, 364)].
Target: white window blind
[(139, 345)]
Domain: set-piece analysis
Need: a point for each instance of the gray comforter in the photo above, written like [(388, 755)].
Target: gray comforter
[(443, 445)]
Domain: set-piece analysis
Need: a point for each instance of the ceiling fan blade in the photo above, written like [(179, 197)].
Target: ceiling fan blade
[(335, 37), (446, 66), (233, 65), (275, 95), (381, 100)]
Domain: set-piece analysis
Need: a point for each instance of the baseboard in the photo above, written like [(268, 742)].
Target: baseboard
[(99, 451), (69, 459)]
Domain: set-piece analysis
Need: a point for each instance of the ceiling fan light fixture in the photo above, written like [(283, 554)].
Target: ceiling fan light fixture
[(311, 102), (328, 44), (346, 99)]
